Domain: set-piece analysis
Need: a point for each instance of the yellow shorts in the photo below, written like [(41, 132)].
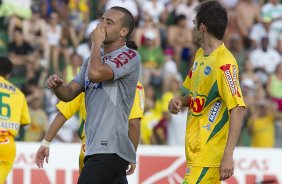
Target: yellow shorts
[(7, 156), (81, 157), (202, 175)]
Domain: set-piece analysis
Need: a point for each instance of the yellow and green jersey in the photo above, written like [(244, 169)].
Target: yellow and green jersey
[(13, 108), (214, 90), (68, 109)]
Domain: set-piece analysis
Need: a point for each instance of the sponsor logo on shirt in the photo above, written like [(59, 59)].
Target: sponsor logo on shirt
[(194, 66), (229, 78), (104, 143), (9, 125), (207, 70), (91, 85), (214, 111), (123, 58), (196, 104), (142, 101), (7, 87), (192, 69)]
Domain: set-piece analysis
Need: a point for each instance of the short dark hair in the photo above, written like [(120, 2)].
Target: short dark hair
[(128, 20), (214, 16), (179, 18), (6, 66)]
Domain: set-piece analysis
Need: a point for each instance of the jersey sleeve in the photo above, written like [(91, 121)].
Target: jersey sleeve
[(124, 63), (25, 117), (80, 77), (68, 109), (229, 87), (137, 110)]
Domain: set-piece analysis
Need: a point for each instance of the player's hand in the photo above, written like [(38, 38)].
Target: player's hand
[(226, 167), (54, 81), (99, 34), (130, 169), (41, 155), (174, 105)]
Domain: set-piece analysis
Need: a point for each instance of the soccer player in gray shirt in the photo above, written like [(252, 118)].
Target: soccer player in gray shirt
[(109, 80)]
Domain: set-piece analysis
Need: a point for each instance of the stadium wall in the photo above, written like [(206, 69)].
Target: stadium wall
[(156, 165)]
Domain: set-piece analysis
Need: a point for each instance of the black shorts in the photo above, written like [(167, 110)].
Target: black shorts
[(103, 169)]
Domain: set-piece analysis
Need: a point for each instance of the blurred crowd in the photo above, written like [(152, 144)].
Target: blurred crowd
[(42, 37)]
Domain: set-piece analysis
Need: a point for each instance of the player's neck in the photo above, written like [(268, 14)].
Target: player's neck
[(210, 44), (112, 47)]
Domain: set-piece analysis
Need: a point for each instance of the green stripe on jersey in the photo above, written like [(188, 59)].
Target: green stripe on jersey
[(203, 173), (219, 125), (212, 94), (81, 127)]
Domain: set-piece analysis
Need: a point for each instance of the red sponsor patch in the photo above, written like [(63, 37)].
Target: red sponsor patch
[(230, 79), (196, 104), (123, 58)]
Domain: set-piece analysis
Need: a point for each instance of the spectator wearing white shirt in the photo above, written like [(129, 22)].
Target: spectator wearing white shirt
[(265, 58), (187, 8), (260, 30), (154, 8), (274, 9)]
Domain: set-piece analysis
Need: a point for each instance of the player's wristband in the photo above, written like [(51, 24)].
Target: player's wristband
[(45, 143)]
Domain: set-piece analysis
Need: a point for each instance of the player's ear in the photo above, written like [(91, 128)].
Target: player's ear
[(124, 31), (202, 28)]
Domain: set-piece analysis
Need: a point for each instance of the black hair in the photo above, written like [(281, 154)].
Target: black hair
[(179, 18), (128, 20), (214, 16), (18, 29), (6, 66), (131, 45)]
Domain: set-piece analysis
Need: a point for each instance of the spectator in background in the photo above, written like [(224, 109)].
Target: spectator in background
[(34, 31), (186, 8), (166, 128), (152, 115), (78, 18), (274, 86), (53, 35), (236, 47), (147, 24), (180, 40), (21, 54), (264, 58), (38, 120), (154, 8), (261, 123), (152, 59), (273, 8), (72, 68), (248, 13), (260, 30), (170, 67)]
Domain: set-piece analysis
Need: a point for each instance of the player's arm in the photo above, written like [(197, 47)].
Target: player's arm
[(66, 110), (175, 104), (230, 92), (64, 92), (236, 119), (134, 131), (43, 152), (97, 70)]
